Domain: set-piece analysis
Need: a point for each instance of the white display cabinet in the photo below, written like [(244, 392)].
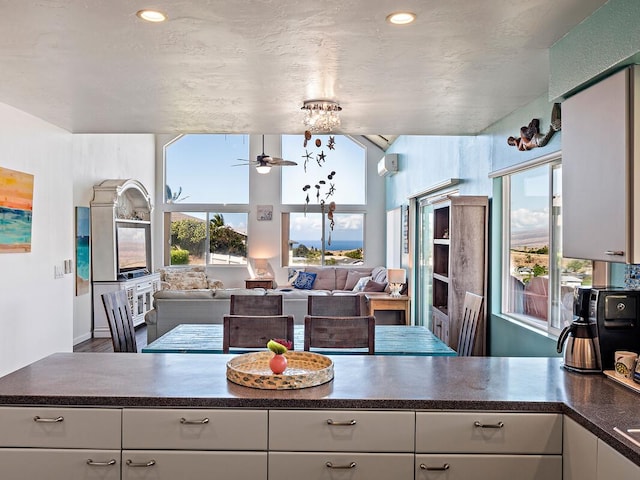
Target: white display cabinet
[(121, 249)]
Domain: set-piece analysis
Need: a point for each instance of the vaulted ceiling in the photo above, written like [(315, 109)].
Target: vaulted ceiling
[(247, 65)]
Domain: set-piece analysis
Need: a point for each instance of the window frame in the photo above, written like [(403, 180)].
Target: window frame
[(550, 162), (316, 208), (168, 208)]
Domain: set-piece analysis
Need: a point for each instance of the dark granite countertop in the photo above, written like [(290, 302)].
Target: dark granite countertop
[(360, 381)]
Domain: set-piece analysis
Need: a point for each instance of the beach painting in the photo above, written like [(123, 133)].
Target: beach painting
[(83, 252), (16, 208)]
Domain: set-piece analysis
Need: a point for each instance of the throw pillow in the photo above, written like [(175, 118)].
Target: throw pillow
[(305, 280), (292, 275), (352, 279), (372, 286), (361, 283)]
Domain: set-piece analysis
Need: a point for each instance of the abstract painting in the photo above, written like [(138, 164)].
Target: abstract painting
[(16, 206), (83, 253)]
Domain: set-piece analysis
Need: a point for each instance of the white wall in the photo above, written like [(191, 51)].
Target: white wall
[(36, 311), (40, 315)]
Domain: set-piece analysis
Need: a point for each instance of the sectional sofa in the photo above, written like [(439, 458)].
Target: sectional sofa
[(189, 296)]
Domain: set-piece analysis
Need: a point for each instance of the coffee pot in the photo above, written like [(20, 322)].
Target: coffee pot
[(579, 340)]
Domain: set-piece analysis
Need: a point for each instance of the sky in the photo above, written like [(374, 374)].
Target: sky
[(210, 169), (530, 207)]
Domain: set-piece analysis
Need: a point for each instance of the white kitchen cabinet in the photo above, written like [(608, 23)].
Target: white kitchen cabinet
[(335, 465), (600, 174), (193, 465), (500, 446), (579, 452), (612, 465), (353, 444), (192, 444), (59, 443)]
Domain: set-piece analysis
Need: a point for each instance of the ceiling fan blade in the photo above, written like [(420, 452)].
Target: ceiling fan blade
[(280, 161)]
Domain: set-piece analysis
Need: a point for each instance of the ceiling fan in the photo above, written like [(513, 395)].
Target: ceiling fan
[(264, 162)]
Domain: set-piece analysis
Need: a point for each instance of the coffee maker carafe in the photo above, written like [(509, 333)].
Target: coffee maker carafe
[(579, 340)]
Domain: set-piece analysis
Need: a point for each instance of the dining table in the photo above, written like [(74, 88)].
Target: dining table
[(389, 340)]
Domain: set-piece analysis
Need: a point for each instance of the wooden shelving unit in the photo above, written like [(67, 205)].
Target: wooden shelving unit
[(459, 264)]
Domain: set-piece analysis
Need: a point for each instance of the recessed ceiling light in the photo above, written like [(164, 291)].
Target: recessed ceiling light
[(401, 18), (151, 15)]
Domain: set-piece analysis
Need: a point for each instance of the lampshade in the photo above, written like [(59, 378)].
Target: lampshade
[(263, 169), (396, 275)]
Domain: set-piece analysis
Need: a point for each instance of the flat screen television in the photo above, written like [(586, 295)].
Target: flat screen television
[(133, 248)]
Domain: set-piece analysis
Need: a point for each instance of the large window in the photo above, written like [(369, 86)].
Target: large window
[(207, 199), (538, 282), (330, 169)]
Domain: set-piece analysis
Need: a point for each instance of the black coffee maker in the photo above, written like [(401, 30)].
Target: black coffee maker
[(615, 312), (579, 341)]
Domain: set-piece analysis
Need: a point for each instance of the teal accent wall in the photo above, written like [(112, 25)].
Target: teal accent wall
[(603, 43)]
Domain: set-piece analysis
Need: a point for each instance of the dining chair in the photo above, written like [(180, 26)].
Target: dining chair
[(335, 305), (340, 332), (470, 317), (120, 319), (256, 305), (254, 331)]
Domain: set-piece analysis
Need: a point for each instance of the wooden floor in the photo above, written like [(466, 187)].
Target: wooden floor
[(104, 344)]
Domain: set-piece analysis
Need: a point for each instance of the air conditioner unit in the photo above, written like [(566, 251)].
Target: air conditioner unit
[(388, 165)]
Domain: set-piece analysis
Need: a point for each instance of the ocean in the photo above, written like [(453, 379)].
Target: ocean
[(15, 226), (335, 244)]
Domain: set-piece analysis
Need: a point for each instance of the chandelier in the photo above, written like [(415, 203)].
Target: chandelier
[(321, 115)]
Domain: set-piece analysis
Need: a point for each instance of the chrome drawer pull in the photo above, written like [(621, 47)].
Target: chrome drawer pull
[(101, 464), (150, 463), (435, 469), (489, 425), (333, 422), (184, 421), (48, 420), (351, 465), (618, 253)]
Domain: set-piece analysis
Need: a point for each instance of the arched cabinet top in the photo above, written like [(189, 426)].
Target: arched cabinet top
[(128, 197)]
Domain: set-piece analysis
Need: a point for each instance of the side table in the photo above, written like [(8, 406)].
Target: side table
[(258, 283), (384, 301)]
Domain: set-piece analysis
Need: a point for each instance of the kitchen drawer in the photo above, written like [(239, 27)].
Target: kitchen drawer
[(190, 429), (193, 465), (458, 432), (494, 467), (60, 427), (351, 466), (341, 431), (57, 464)]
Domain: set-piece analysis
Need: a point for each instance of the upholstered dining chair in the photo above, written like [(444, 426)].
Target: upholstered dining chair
[(120, 319), (471, 310), (335, 305), (254, 331), (256, 305), (340, 332)]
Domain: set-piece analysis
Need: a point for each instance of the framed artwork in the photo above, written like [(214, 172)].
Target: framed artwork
[(83, 250), (265, 213), (16, 208)]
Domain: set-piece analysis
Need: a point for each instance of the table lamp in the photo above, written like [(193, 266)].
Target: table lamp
[(396, 277), (262, 267)]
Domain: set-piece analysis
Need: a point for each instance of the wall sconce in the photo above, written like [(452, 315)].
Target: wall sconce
[(397, 277)]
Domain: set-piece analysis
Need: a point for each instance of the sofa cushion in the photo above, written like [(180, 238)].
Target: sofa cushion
[(341, 278), (372, 286), (353, 277), (186, 280), (227, 292), (359, 287), (305, 280), (292, 274), (325, 277), (379, 274)]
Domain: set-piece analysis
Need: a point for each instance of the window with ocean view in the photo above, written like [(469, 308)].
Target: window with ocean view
[(323, 199)]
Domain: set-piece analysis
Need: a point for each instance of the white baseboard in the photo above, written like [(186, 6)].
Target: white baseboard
[(82, 338)]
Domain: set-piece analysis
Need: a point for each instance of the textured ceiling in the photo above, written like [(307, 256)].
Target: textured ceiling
[(246, 66)]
